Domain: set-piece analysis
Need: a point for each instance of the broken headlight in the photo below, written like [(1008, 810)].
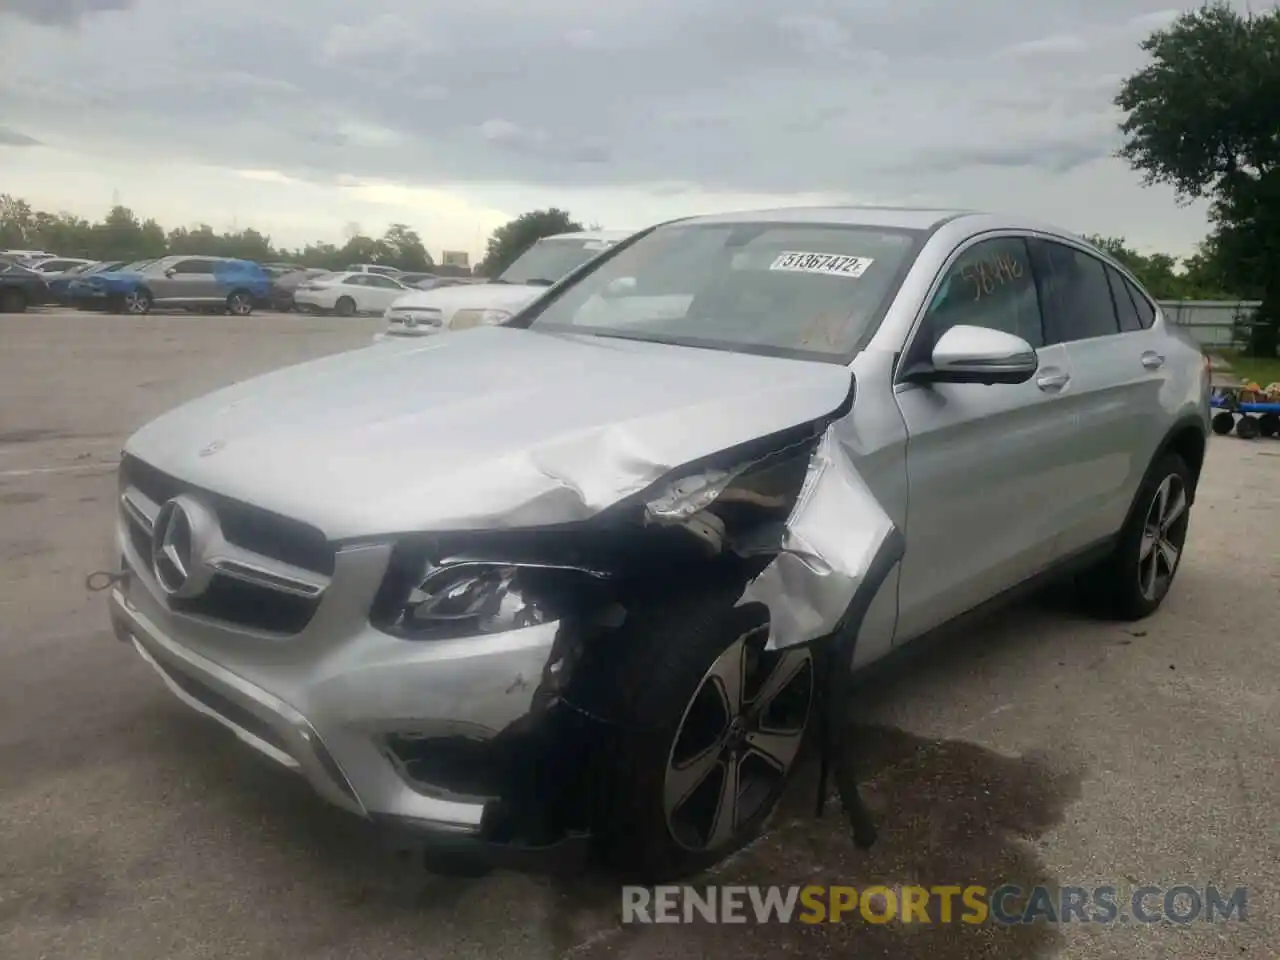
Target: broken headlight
[(471, 598)]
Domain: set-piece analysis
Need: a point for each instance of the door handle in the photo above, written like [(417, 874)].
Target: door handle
[(1053, 381), (1152, 360)]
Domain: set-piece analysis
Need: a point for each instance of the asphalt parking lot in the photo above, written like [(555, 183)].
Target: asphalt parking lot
[(1039, 748)]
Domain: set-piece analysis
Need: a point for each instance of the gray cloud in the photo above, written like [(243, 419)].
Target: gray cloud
[(60, 12), (12, 138), (774, 96)]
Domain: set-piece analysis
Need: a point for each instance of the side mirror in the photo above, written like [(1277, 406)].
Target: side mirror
[(618, 287), (170, 272), (967, 354)]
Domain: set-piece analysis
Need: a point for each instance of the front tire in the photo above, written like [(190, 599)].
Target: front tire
[(136, 303), (239, 304), (711, 731), (1134, 580)]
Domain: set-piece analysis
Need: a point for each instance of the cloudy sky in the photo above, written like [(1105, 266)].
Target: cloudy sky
[(302, 117)]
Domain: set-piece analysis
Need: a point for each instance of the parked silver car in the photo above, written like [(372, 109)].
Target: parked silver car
[(576, 580)]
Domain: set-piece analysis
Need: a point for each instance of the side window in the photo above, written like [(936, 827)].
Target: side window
[(357, 280), (376, 280), (193, 266), (990, 285), (1125, 309), (1075, 292), (1146, 312)]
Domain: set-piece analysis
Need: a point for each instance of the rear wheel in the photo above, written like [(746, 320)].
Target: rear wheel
[(1223, 423), (1134, 580), (12, 300), (239, 304), (1248, 428), (1269, 424), (712, 729), (345, 307)]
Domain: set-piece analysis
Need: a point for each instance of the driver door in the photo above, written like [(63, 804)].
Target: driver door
[(985, 464)]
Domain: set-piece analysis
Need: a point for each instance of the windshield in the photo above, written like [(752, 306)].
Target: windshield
[(802, 290), (137, 265), (550, 259)]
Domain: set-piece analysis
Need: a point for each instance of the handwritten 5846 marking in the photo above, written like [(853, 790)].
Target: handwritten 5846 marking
[(988, 276)]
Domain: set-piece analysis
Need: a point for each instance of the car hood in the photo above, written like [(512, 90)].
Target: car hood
[(491, 428), (477, 296)]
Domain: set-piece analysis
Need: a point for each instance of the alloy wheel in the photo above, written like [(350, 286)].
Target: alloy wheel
[(1163, 536), (737, 741), (136, 302), (240, 305)]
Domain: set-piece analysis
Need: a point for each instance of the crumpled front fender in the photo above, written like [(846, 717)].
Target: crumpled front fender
[(838, 542)]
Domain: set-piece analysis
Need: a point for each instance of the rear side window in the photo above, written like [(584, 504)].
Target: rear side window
[(1125, 310), (1075, 293), (990, 285)]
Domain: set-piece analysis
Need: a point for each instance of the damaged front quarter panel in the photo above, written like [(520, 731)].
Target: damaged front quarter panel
[(785, 522), (824, 537)]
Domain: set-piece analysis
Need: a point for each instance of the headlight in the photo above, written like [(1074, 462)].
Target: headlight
[(465, 319), (475, 598)]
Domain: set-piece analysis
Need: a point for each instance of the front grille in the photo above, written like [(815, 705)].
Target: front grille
[(250, 605), (249, 527), (229, 599)]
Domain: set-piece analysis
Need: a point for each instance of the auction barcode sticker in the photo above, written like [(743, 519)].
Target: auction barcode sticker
[(832, 264)]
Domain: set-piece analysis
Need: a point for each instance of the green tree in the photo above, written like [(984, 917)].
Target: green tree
[(1204, 117), (405, 249), (514, 238), (17, 223)]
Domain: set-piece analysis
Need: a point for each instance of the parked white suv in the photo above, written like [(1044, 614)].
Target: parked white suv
[(580, 579), (484, 304)]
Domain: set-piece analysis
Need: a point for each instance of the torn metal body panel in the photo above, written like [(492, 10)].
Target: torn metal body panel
[(823, 537), (827, 547)]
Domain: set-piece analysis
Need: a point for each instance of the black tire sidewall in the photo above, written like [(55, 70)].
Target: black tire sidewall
[(345, 307), (1128, 602), (145, 297), (663, 665), (241, 297)]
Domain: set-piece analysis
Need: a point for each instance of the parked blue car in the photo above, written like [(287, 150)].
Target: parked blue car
[(211, 284), (60, 283)]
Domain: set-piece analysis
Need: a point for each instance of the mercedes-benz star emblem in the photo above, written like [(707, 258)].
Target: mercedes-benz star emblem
[(178, 538)]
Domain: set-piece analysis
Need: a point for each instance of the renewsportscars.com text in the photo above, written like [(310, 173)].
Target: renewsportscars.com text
[(972, 904)]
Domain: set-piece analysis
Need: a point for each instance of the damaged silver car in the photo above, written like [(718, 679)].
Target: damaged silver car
[(586, 581)]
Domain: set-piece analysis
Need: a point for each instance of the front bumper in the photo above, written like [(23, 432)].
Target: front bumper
[(329, 703), (398, 333)]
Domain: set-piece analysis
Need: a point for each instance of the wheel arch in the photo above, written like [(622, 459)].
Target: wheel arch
[(1189, 440)]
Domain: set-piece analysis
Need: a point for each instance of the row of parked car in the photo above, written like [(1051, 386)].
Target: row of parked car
[(414, 304)]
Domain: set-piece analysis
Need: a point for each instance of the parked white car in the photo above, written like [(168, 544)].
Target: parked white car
[(58, 265), (485, 304), (348, 294), (374, 268)]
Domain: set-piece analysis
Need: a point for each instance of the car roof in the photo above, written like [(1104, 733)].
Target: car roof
[(926, 219), (905, 218), (592, 235)]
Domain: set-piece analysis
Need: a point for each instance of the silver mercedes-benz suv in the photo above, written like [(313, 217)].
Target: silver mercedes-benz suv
[(581, 581)]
